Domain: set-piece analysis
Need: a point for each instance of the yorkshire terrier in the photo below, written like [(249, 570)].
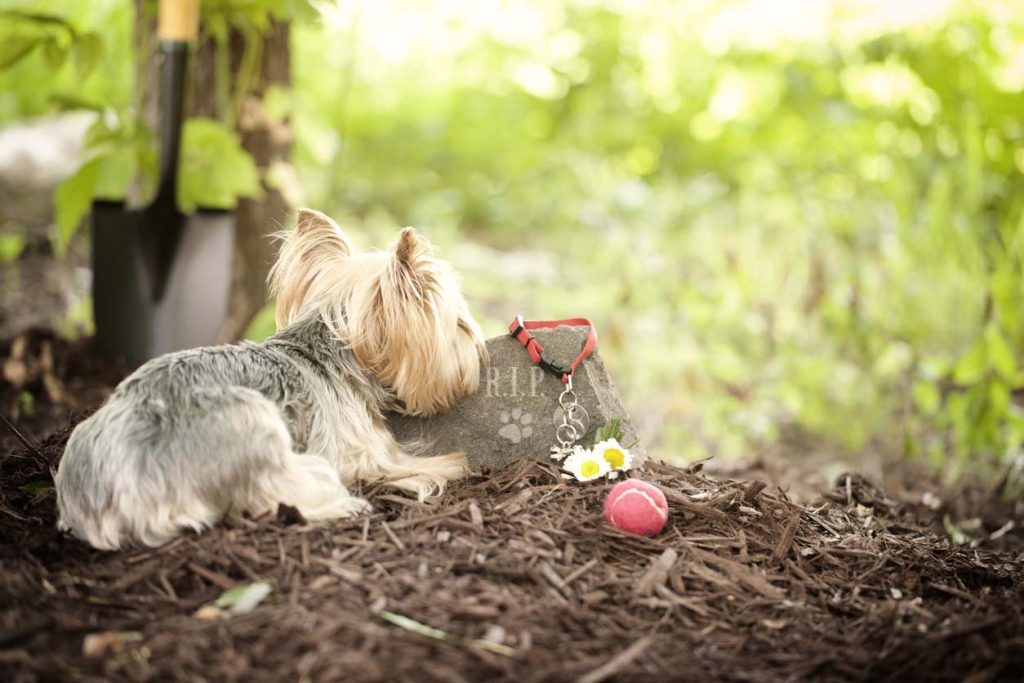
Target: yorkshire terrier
[(196, 436)]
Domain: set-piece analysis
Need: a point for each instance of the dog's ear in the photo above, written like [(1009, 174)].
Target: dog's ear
[(411, 259), (321, 230), (308, 259), (411, 248)]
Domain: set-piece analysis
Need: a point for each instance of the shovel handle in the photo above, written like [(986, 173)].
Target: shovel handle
[(178, 20)]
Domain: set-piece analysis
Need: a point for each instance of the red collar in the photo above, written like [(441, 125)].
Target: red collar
[(520, 328)]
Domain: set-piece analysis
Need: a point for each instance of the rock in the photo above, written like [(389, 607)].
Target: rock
[(36, 155), (513, 415)]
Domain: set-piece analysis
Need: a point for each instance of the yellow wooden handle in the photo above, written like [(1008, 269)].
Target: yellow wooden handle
[(178, 20)]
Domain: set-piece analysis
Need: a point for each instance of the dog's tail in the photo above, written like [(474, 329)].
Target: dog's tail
[(422, 476), (429, 475)]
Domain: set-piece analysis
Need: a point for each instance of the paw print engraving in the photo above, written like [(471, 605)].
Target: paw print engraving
[(516, 425)]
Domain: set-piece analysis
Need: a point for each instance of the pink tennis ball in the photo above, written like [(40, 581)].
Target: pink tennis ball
[(636, 507)]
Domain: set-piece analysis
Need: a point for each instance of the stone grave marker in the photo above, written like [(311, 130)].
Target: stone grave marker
[(514, 413)]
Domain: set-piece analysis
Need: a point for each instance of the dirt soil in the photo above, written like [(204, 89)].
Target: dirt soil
[(511, 575)]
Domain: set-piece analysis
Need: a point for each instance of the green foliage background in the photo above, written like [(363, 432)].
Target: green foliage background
[(783, 218)]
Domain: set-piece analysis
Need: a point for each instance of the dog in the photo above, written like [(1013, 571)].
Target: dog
[(197, 436)]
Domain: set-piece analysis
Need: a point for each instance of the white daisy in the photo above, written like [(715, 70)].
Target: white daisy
[(615, 454), (585, 465)]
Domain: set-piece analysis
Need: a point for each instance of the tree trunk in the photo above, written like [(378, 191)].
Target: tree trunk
[(268, 142)]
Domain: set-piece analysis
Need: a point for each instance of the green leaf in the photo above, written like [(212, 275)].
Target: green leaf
[(14, 47), (956, 535), (117, 168), (216, 172), (245, 598), (11, 245), (999, 399), (87, 50), (611, 430), (926, 397), (34, 487), (972, 366), (55, 53), (69, 100), (1006, 294), (48, 20), (72, 201), (1000, 354), (26, 403), (299, 11)]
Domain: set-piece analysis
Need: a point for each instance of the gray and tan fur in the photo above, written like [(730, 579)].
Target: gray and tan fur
[(196, 436)]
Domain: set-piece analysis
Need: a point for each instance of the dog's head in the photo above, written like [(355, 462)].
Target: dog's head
[(401, 311)]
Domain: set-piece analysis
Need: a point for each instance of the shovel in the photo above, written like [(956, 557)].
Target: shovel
[(161, 278)]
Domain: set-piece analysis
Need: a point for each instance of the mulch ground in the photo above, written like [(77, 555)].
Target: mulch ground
[(513, 575)]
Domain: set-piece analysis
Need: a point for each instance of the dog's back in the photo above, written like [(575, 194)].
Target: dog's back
[(187, 439)]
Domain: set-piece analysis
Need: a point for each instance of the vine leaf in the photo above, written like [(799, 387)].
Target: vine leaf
[(612, 429), (72, 201), (215, 170)]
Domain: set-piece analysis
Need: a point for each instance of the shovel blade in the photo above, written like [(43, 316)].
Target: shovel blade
[(133, 326)]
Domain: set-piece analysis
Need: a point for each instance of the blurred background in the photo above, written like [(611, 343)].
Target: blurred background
[(798, 225)]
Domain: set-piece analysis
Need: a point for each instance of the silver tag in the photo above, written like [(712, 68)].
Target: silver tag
[(578, 418)]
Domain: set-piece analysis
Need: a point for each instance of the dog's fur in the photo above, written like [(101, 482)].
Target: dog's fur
[(194, 436)]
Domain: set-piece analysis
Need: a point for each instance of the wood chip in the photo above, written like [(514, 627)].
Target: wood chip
[(786, 541), (656, 573), (618, 662)]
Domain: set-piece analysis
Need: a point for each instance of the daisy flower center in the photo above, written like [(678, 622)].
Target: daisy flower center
[(614, 457), (589, 468)]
